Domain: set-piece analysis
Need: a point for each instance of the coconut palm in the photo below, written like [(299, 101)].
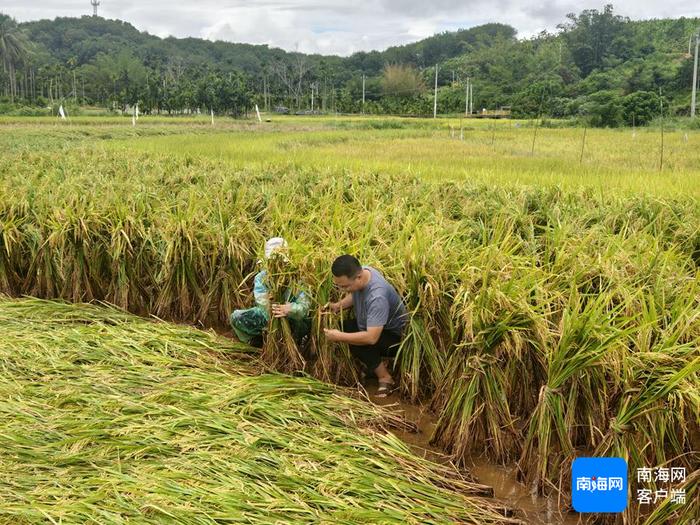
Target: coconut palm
[(14, 48)]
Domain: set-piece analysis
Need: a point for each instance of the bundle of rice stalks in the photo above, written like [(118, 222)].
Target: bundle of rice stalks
[(333, 362), (179, 274), (231, 258), (418, 360), (11, 220), (280, 350), (659, 400), (78, 235), (573, 401), (424, 277), (130, 251), (109, 418), (668, 512), (486, 387)]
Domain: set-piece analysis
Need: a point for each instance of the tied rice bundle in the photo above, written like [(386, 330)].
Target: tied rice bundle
[(280, 350)]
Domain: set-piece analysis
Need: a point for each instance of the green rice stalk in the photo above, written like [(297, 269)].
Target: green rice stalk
[(280, 350)]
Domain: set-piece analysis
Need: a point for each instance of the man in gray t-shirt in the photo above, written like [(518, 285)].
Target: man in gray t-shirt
[(380, 317)]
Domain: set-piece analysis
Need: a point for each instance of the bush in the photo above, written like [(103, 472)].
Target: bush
[(603, 109), (641, 107)]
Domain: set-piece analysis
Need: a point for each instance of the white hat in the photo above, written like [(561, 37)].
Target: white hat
[(275, 244)]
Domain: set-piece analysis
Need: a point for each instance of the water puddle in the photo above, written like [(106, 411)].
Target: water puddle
[(533, 509)]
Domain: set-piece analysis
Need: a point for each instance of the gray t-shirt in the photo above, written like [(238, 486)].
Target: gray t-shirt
[(378, 304)]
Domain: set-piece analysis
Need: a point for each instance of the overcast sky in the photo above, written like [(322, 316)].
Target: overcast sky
[(334, 26)]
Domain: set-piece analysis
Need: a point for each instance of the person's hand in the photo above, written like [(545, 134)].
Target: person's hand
[(333, 335), (333, 307), (281, 310)]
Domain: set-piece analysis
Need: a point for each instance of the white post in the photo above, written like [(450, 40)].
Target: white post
[(312, 99), (695, 77), (363, 94), (435, 98), (471, 97), (466, 99), (257, 112), (212, 116)]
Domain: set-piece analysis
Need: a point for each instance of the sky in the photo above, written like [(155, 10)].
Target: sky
[(338, 27)]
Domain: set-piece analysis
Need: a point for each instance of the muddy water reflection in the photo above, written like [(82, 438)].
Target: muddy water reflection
[(535, 510)]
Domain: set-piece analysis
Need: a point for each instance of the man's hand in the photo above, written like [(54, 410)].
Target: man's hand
[(333, 307), (333, 335), (281, 310)]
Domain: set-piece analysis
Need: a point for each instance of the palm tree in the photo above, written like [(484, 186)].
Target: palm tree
[(14, 48)]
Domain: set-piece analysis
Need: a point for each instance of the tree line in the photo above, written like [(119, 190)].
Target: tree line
[(597, 66)]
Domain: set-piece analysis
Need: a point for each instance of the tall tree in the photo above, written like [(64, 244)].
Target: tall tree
[(14, 48)]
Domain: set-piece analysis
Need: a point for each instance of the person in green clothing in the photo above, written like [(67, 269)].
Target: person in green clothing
[(250, 324)]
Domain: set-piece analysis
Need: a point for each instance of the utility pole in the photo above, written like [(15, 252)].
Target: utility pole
[(95, 4), (435, 99), (695, 76), (363, 94), (466, 99), (471, 97)]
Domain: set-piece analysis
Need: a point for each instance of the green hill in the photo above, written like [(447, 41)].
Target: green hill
[(599, 65)]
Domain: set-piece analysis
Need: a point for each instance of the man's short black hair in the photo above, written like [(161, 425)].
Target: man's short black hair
[(346, 265)]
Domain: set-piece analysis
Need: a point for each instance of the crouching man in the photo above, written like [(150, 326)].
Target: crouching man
[(380, 317)]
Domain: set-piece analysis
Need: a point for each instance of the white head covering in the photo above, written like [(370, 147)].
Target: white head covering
[(275, 244)]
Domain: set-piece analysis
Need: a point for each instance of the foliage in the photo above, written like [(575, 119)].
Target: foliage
[(641, 107), (603, 109), (401, 81), (110, 63)]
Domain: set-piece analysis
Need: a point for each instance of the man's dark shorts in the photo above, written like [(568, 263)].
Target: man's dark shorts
[(372, 355)]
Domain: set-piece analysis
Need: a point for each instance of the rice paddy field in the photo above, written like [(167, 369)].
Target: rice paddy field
[(551, 273)]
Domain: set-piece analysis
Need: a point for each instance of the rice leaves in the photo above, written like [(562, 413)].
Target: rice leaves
[(109, 418)]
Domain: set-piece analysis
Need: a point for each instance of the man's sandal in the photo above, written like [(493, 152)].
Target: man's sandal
[(385, 389)]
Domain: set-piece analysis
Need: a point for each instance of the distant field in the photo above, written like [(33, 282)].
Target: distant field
[(494, 152)]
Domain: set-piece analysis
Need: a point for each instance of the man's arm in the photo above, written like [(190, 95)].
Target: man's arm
[(299, 307), (364, 338), (344, 304), (262, 298)]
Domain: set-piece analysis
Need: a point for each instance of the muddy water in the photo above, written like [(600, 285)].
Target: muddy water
[(532, 509)]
